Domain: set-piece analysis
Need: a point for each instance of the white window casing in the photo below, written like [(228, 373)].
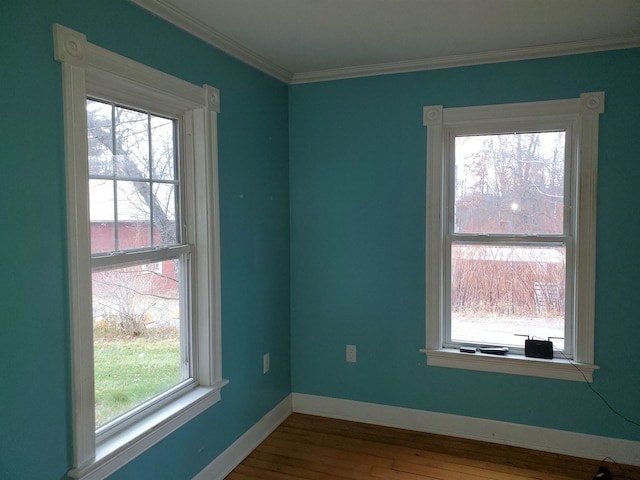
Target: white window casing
[(91, 70), (579, 117)]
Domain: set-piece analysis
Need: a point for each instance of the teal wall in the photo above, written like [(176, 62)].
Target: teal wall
[(35, 420), (357, 168), (344, 161)]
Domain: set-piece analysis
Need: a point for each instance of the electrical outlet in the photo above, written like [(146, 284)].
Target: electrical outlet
[(351, 353), (265, 363)]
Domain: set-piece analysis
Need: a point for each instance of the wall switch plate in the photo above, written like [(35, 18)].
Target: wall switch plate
[(351, 353), (265, 363)]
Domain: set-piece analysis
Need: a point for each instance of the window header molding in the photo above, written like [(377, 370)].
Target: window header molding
[(105, 71), (588, 104)]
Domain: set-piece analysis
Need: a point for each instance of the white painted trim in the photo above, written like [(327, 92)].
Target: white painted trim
[(109, 73), (591, 106), (557, 368), (241, 448), (79, 253), (513, 434), (195, 27), (497, 56), (433, 118)]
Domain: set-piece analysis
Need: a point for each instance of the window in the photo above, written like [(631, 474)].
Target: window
[(511, 234), (143, 252)]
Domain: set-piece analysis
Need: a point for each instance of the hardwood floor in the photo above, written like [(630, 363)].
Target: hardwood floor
[(313, 448)]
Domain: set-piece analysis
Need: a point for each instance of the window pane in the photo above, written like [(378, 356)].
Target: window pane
[(163, 153), (136, 326), (134, 215), (100, 138), (511, 183), (132, 143), (102, 216), (500, 291), (164, 218)]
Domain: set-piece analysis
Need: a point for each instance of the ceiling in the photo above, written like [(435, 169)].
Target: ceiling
[(311, 40)]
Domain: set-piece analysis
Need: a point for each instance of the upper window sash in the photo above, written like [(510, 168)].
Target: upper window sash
[(119, 173), (564, 123)]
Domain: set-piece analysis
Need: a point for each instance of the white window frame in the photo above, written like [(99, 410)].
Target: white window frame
[(89, 70), (581, 118)]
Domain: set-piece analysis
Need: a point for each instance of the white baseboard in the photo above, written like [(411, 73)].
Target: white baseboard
[(241, 448), (536, 438)]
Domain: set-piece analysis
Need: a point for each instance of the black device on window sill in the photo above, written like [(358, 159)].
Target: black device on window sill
[(538, 348)]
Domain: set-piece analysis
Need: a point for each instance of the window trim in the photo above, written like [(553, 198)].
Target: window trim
[(86, 70), (584, 112)]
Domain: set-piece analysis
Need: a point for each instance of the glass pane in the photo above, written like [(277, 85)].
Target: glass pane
[(162, 151), (164, 214), (132, 143), (498, 292), (512, 183), (134, 215), (102, 215), (142, 211), (136, 328), (100, 138)]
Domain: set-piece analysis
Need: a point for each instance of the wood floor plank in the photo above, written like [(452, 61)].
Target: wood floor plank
[(306, 447), (389, 474), (263, 474), (455, 472), (306, 469), (276, 465), (336, 457), (478, 468)]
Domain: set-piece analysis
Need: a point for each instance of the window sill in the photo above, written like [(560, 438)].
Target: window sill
[(513, 364), (119, 449)]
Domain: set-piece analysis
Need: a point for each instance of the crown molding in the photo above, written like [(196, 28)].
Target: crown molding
[(497, 56), (195, 27)]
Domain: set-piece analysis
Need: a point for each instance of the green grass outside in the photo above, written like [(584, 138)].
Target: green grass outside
[(129, 371)]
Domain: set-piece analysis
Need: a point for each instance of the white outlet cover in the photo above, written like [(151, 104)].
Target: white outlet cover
[(351, 353), (265, 363)]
